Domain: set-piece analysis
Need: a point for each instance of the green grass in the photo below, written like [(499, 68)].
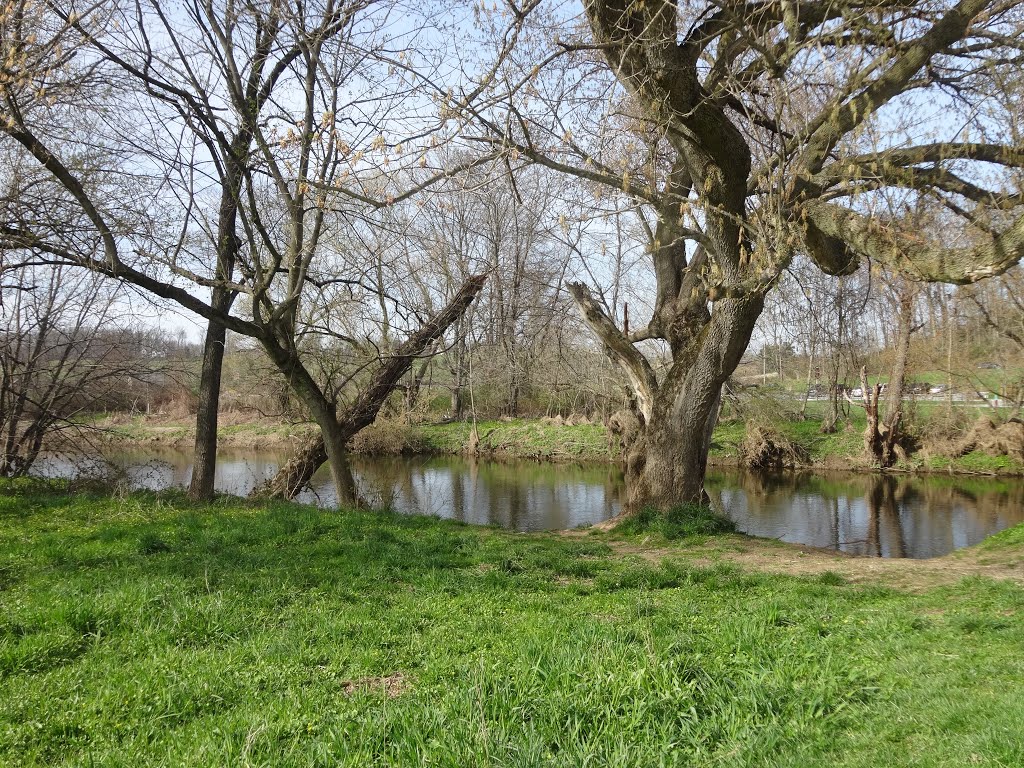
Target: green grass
[(977, 461), (807, 434), (541, 439), (146, 630), (681, 522), (143, 430)]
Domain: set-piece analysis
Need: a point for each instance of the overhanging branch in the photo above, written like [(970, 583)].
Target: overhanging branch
[(911, 254)]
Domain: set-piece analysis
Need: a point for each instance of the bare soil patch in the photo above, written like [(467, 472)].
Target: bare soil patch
[(393, 685), (769, 556)]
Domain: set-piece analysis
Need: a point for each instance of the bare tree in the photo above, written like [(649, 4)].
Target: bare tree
[(269, 126), (65, 348), (745, 119)]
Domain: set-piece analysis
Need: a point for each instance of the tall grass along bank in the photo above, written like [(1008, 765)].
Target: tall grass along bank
[(145, 630)]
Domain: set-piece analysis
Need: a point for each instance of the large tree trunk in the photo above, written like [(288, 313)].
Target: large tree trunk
[(665, 467), (666, 463), (707, 300), (337, 430)]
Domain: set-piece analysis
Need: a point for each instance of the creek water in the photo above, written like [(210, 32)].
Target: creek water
[(871, 515)]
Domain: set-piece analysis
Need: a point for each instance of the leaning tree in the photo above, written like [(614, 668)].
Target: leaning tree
[(748, 134), (224, 149)]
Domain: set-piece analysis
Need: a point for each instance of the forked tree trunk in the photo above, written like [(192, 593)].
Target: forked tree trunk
[(707, 300), (665, 465), (337, 429), (893, 420), (883, 435)]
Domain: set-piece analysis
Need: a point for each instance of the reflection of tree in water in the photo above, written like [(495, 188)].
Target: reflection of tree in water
[(763, 486), (348, 492), (992, 501), (869, 514), (521, 495), (885, 497)]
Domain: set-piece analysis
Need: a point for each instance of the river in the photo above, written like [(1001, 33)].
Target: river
[(861, 514)]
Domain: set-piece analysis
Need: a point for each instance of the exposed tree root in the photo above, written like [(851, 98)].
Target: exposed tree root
[(767, 448)]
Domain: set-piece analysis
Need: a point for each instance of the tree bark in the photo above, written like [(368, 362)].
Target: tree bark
[(893, 420), (204, 465), (204, 462), (412, 390), (666, 463), (296, 473)]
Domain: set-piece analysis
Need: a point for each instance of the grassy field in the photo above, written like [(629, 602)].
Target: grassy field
[(518, 438), (145, 630), (844, 448), (235, 430)]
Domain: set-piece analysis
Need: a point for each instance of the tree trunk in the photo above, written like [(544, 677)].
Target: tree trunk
[(205, 458), (296, 473), (337, 430), (515, 386), (807, 384), (873, 436), (882, 436), (834, 412), (459, 370), (412, 391), (665, 466), (897, 381)]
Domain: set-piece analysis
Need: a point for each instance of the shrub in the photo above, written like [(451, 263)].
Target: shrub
[(386, 438)]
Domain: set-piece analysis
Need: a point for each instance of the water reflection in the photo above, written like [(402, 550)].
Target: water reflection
[(520, 496), (870, 515)]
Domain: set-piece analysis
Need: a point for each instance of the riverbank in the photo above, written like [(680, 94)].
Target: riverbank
[(546, 439), (148, 630)]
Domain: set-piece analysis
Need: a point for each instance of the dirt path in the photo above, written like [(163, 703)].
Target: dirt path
[(778, 557)]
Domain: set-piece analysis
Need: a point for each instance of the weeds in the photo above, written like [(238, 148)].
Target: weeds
[(678, 523)]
